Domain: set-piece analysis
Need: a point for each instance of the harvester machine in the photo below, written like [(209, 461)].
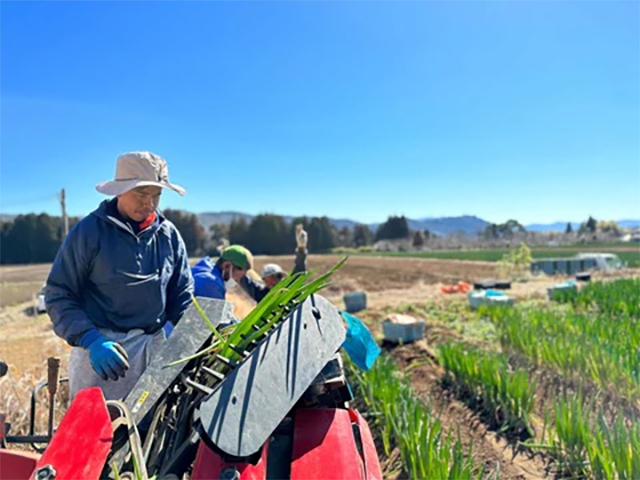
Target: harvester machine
[(278, 409)]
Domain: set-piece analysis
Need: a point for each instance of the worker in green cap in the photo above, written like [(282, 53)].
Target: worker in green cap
[(214, 279)]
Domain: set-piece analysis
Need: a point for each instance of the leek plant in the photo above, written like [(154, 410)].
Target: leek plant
[(407, 423), (594, 341), (616, 298), (586, 444), (486, 380), (597, 347)]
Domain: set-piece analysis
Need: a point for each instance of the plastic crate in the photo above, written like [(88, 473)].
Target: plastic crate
[(405, 329), (488, 297), (355, 301)]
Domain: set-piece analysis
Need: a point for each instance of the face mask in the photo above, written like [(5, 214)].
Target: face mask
[(230, 283)]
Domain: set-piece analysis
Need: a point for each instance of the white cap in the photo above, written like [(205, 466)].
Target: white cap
[(271, 269)]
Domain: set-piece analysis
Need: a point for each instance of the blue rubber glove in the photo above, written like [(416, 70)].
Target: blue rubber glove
[(168, 328), (108, 358)]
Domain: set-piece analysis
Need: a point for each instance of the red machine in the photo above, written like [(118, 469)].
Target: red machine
[(282, 412)]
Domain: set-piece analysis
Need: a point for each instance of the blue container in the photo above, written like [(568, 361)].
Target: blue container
[(355, 301), (494, 293)]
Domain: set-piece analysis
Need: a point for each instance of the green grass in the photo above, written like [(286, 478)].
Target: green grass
[(456, 315), (632, 258)]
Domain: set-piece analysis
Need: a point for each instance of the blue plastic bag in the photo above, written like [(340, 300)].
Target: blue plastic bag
[(359, 344)]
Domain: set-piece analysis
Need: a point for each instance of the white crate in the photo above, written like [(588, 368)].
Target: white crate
[(403, 329)]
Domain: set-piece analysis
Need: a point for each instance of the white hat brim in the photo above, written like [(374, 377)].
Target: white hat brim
[(118, 187)]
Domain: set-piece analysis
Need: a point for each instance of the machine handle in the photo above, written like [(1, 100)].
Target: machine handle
[(53, 376)]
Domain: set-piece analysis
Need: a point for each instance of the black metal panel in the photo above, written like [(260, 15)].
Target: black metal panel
[(254, 398)]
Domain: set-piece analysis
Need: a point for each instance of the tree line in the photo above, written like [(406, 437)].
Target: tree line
[(36, 238), (31, 238), (268, 234), (512, 229)]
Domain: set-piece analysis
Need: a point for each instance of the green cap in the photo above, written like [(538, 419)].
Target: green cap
[(238, 256)]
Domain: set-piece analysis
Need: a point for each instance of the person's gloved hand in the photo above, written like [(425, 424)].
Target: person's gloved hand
[(168, 328), (108, 358)]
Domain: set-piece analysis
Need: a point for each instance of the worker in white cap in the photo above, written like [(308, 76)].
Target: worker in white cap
[(272, 273), (300, 263)]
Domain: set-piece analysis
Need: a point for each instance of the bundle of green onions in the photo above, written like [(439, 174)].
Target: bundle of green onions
[(232, 343)]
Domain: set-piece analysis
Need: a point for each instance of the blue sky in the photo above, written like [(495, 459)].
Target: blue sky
[(525, 110)]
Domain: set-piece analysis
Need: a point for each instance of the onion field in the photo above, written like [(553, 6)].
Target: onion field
[(558, 382)]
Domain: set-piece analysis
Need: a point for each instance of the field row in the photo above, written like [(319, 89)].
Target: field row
[(560, 380)]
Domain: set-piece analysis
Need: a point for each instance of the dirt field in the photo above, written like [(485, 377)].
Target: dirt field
[(374, 274), (27, 340)]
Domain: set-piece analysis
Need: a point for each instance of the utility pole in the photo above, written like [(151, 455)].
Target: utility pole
[(65, 219)]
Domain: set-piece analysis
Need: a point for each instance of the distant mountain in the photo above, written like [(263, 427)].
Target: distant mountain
[(562, 226), (629, 223), (551, 227), (466, 224), (221, 218), (443, 226), (5, 217)]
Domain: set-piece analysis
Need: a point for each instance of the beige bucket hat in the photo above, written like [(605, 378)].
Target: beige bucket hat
[(139, 169)]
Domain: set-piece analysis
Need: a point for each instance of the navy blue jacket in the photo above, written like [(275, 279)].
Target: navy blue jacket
[(208, 280), (106, 276), (255, 289)]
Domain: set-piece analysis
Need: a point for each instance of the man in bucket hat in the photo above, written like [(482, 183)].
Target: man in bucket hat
[(120, 279)]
